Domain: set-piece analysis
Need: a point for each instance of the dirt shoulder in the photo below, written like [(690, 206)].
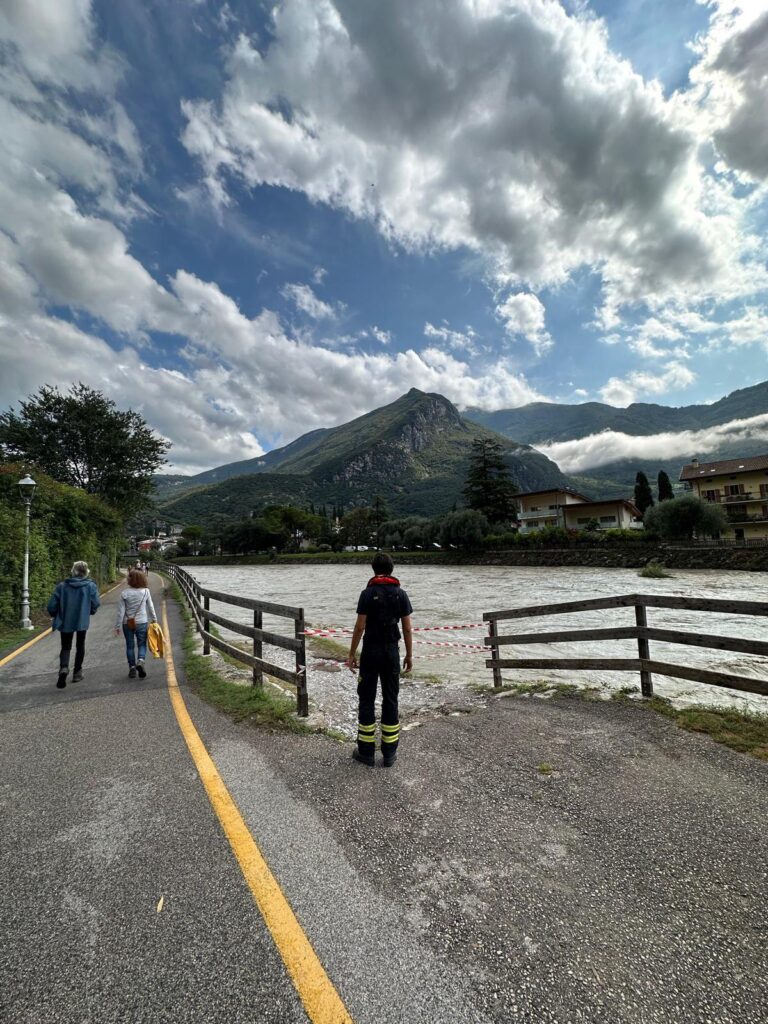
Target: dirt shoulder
[(576, 860)]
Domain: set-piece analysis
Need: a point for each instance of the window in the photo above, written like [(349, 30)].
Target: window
[(535, 508), (607, 519), (583, 520)]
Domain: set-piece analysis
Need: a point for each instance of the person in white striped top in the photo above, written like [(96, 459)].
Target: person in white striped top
[(134, 613)]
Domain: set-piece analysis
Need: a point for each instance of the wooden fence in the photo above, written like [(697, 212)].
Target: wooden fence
[(640, 631), (199, 600)]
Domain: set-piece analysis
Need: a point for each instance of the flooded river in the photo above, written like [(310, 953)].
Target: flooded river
[(458, 595)]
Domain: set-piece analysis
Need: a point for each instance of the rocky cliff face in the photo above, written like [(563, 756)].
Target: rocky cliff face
[(414, 453)]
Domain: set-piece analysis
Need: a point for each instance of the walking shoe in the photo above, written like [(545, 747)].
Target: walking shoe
[(389, 760), (132, 672), (367, 761), (140, 670), (77, 677), (61, 682)]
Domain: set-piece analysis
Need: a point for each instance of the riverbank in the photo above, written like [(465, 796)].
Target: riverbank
[(608, 555)]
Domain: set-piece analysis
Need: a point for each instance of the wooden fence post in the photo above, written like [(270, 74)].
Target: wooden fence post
[(644, 652), (493, 631), (206, 625), (302, 697), (258, 650)]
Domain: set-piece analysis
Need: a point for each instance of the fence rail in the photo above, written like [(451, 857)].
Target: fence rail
[(641, 632), (199, 600)]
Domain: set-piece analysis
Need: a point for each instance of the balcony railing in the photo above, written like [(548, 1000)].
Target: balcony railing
[(729, 499), (742, 517)]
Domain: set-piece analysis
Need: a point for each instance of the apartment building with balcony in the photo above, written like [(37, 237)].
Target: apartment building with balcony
[(740, 486), (573, 510)]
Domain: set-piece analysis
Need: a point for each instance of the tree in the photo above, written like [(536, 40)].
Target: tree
[(682, 518), (379, 514), (82, 439), (665, 487), (643, 494), (489, 488), (464, 529), (357, 526), (193, 535)]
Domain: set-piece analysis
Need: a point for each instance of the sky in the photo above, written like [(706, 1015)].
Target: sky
[(248, 220)]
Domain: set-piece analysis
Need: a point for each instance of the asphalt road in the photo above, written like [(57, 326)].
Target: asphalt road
[(628, 886)]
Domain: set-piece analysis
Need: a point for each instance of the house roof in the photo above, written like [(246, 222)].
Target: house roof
[(729, 466), (607, 501), (552, 490)]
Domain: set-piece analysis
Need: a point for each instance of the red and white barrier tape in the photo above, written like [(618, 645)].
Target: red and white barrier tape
[(430, 643), (416, 629)]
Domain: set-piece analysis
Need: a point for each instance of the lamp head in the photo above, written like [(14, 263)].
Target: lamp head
[(27, 488)]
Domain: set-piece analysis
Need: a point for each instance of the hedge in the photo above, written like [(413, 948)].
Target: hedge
[(66, 524)]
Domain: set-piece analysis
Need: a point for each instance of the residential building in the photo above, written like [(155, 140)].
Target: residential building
[(545, 508), (740, 486), (575, 511), (609, 514)]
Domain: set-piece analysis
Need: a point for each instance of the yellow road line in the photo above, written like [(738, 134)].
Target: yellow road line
[(24, 647), (316, 991)]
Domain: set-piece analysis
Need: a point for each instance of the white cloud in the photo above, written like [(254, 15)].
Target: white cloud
[(622, 391), (459, 341), (383, 337), (610, 445), (508, 129), (523, 314), (305, 300), (731, 87)]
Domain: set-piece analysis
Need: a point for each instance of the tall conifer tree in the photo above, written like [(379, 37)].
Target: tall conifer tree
[(643, 493), (665, 487), (489, 487)]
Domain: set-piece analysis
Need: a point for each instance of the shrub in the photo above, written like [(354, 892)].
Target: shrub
[(67, 524)]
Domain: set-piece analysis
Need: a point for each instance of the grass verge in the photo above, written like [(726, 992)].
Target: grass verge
[(12, 637), (742, 731), (739, 730), (259, 706)]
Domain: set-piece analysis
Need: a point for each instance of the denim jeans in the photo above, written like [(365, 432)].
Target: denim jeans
[(136, 638)]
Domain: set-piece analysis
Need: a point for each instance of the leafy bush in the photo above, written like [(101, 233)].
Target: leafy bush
[(654, 571), (465, 529), (682, 518), (66, 525)]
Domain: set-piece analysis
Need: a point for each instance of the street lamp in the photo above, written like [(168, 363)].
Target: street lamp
[(26, 490)]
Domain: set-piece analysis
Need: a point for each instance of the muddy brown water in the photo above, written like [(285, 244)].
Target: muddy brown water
[(458, 595)]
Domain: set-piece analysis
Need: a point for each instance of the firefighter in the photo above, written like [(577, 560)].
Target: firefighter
[(382, 605)]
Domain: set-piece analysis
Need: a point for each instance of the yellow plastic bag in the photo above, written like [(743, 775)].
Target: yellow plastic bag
[(156, 640)]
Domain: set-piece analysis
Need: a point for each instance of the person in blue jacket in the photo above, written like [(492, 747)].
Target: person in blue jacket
[(71, 606)]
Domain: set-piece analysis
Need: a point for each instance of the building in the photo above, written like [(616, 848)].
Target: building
[(609, 514), (545, 508), (740, 486), (574, 511)]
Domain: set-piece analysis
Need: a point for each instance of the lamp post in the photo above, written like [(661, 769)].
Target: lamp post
[(27, 491)]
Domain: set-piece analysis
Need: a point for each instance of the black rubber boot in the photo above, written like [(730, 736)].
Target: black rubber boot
[(61, 682), (369, 762)]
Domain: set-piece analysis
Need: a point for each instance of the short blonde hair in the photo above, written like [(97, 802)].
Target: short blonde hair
[(80, 569)]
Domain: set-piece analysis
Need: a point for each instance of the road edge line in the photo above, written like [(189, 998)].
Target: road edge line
[(321, 1001)]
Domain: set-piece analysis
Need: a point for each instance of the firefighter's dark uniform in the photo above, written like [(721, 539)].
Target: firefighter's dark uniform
[(384, 603)]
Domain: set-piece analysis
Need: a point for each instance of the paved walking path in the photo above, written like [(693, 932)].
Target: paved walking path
[(462, 886), (106, 815)]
